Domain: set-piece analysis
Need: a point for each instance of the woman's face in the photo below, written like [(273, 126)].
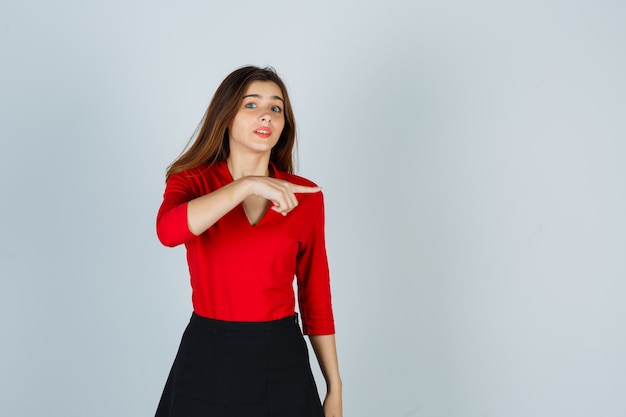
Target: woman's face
[(260, 119)]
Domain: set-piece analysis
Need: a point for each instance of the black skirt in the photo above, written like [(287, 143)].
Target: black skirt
[(237, 369)]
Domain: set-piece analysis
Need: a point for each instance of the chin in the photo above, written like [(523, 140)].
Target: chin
[(266, 147)]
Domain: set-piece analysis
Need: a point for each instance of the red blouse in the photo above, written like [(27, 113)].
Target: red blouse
[(241, 272)]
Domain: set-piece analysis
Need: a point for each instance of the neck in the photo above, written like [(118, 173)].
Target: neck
[(242, 166)]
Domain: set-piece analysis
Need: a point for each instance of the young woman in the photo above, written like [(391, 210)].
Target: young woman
[(249, 226)]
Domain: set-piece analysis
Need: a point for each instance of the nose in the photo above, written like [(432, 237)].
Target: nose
[(266, 117)]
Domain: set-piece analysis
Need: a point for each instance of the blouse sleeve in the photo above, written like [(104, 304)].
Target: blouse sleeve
[(313, 276), (171, 224)]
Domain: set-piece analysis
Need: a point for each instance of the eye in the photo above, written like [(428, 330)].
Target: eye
[(250, 105), (276, 109)]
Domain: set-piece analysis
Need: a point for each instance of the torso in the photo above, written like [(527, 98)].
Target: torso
[(241, 272)]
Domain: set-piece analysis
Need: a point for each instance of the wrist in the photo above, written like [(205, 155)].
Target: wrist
[(334, 386), (246, 185)]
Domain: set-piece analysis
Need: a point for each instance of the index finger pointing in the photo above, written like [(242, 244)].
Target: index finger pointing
[(305, 189)]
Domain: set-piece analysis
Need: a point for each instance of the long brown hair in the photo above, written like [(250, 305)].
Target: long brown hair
[(211, 137)]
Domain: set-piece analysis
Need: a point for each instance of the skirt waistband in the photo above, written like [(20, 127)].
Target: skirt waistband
[(244, 326)]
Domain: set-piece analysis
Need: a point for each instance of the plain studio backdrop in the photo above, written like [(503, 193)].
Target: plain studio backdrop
[(472, 158)]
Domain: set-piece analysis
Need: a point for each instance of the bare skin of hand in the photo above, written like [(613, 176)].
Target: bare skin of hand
[(204, 211), (332, 405), (281, 193)]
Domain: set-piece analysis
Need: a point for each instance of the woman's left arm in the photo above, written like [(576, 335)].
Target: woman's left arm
[(325, 349)]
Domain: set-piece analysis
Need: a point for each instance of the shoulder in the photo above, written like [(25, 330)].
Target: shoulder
[(198, 173), (312, 203), (295, 179), (198, 181)]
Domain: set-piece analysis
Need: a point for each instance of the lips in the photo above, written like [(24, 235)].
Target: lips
[(263, 132)]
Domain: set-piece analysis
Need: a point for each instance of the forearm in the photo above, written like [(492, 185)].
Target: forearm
[(203, 212), (325, 349)]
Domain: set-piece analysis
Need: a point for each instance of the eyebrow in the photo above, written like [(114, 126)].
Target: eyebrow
[(259, 96)]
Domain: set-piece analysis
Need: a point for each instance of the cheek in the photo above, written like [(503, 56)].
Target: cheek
[(281, 125), (236, 126), (279, 133)]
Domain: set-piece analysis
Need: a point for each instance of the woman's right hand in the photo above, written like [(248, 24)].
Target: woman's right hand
[(281, 193), (204, 211)]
